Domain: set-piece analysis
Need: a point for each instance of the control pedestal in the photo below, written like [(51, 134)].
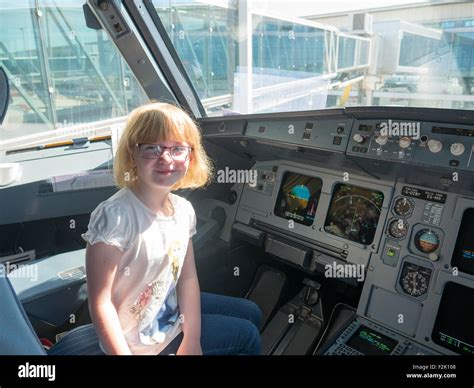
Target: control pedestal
[(297, 325), (363, 337)]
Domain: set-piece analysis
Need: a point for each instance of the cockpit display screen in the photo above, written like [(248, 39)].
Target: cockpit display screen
[(298, 198), (453, 328), (463, 257), (371, 342), (354, 213)]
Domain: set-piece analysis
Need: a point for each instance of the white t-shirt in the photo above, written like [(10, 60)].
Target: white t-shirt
[(154, 247)]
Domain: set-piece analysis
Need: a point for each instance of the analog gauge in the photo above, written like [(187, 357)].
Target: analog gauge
[(398, 228), (415, 279), (427, 241), (404, 207)]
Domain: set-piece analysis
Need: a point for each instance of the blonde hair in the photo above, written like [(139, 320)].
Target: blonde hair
[(157, 122)]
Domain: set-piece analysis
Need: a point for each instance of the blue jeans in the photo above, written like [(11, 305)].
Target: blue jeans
[(229, 326)]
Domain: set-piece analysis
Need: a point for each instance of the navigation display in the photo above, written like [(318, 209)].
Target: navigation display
[(354, 213), (371, 342), (463, 257), (453, 328), (298, 198)]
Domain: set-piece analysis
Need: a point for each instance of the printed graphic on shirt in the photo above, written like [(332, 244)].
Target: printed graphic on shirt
[(155, 313), (155, 310), (168, 314), (153, 292), (174, 253), (156, 330)]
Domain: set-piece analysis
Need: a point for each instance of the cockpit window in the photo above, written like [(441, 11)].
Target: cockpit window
[(274, 56), (62, 73)]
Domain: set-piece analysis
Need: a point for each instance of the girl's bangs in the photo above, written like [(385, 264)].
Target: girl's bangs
[(159, 129)]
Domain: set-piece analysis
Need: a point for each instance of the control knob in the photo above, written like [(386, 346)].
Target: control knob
[(358, 138), (457, 149), (381, 140), (435, 146), (404, 142)]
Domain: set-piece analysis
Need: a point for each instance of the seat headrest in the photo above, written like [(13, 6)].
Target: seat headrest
[(4, 94)]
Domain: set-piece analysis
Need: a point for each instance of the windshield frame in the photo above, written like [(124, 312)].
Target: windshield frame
[(158, 42)]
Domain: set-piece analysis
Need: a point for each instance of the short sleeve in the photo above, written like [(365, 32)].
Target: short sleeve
[(192, 220), (108, 224)]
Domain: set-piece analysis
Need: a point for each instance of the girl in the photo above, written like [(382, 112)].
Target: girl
[(143, 290)]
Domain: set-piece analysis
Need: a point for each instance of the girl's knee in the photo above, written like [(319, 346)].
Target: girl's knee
[(252, 339), (255, 313)]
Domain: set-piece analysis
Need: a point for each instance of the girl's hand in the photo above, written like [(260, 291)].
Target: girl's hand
[(189, 348)]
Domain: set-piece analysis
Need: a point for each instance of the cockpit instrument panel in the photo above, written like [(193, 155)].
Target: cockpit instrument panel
[(354, 213), (454, 321), (298, 198), (415, 279), (463, 257)]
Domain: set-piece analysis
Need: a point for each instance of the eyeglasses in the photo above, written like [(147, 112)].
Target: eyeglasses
[(154, 151)]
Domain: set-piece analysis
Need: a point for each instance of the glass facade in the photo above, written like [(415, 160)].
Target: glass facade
[(416, 50), (346, 53), (434, 59), (209, 43), (62, 72), (286, 46), (202, 37)]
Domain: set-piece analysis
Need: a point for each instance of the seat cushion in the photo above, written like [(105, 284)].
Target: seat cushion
[(80, 341)]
